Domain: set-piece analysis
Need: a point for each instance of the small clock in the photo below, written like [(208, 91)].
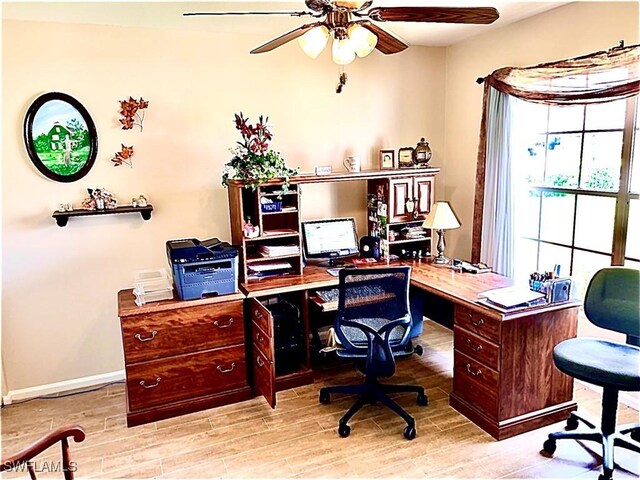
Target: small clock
[(405, 157)]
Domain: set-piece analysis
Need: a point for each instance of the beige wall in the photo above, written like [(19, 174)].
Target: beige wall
[(59, 285), (575, 29)]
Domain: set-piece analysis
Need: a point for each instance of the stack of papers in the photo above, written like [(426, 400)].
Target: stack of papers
[(512, 297), (278, 250)]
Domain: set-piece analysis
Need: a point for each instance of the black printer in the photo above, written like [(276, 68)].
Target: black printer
[(203, 268)]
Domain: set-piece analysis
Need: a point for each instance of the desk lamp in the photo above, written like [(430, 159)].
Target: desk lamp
[(441, 218)]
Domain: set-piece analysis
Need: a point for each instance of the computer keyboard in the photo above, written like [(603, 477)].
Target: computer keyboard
[(330, 295)]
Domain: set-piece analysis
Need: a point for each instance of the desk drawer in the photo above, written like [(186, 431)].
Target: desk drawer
[(193, 375), (477, 323), (476, 383), (261, 316), (476, 347), (184, 330), (262, 341)]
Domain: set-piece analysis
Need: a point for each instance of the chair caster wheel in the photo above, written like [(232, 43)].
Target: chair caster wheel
[(324, 397), (604, 476), (344, 430), (572, 423), (635, 435), (423, 401), (549, 446), (409, 432), (418, 350)]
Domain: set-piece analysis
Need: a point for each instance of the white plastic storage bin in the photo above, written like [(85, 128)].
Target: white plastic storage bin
[(149, 281), (152, 296)]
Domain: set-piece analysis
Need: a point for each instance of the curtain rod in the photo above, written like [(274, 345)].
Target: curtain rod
[(480, 80)]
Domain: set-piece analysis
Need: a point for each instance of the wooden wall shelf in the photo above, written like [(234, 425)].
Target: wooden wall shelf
[(62, 218)]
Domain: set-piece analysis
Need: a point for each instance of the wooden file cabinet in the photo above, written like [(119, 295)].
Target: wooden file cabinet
[(504, 379), (182, 356)]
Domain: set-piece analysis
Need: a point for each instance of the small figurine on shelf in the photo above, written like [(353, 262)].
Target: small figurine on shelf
[(249, 230), (99, 199), (142, 201)]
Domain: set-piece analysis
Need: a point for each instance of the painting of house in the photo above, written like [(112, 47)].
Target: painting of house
[(57, 136)]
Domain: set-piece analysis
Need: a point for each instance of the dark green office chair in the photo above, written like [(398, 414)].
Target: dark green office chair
[(612, 301)]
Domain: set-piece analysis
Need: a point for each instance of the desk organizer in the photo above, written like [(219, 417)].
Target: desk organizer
[(555, 290)]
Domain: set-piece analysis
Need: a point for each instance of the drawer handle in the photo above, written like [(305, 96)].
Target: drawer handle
[(259, 362), (139, 336), (477, 348), (258, 314), (476, 373), (226, 325), (260, 338), (144, 385), (474, 323), (226, 370)]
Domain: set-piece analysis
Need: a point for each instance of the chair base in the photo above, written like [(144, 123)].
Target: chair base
[(372, 392), (626, 437)]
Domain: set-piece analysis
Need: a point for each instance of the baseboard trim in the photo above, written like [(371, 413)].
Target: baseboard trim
[(623, 397), (61, 387)]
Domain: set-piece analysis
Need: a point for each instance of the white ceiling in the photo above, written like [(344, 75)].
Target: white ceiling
[(169, 15)]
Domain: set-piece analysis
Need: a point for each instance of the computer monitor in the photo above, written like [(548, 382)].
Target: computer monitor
[(331, 239)]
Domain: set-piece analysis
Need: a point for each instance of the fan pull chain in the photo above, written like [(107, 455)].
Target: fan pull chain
[(342, 79)]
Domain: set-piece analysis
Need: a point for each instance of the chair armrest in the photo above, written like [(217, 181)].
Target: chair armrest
[(37, 447)]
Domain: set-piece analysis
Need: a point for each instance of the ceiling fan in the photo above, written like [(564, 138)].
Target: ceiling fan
[(350, 24)]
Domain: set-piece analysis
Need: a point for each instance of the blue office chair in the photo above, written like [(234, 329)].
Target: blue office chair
[(612, 301), (373, 325)]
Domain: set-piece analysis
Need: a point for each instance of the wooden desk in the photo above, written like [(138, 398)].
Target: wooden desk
[(504, 379)]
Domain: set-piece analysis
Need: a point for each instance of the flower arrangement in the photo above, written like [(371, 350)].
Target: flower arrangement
[(99, 199), (253, 161)]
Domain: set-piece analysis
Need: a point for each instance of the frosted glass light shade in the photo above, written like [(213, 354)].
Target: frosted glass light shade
[(314, 41), (355, 4), (363, 40), (441, 217), (343, 53)]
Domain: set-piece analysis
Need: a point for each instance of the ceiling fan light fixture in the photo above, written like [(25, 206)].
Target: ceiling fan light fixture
[(342, 51), (363, 40), (314, 41), (350, 4)]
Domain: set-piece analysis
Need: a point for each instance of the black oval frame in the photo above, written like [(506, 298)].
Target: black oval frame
[(28, 136)]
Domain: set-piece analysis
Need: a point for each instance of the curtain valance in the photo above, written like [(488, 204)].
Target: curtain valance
[(595, 78)]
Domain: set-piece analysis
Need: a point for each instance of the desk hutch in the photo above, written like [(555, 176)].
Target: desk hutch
[(182, 356)]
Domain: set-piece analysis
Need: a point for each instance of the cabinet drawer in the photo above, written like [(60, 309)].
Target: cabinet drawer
[(261, 316), (184, 377), (262, 341), (475, 347), (476, 384), (264, 376), (184, 330), (477, 323)]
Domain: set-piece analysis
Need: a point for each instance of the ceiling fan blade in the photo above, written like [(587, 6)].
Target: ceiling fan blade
[(387, 42), (287, 37), (220, 14), (479, 15)]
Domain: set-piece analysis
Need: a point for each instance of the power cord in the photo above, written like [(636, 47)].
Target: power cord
[(49, 397)]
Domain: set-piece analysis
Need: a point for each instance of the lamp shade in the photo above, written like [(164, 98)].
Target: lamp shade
[(441, 217), (314, 41), (342, 52), (362, 39)]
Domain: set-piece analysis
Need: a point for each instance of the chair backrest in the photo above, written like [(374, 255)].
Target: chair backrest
[(375, 296), (25, 456), (612, 301)]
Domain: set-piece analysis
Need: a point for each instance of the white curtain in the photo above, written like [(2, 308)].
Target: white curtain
[(498, 225)]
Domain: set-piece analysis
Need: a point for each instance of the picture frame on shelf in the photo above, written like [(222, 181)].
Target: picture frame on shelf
[(387, 159), (405, 157)]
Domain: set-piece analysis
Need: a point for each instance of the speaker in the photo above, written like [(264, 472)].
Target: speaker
[(370, 247)]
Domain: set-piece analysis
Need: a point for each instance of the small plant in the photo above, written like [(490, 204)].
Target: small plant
[(130, 111), (253, 162)]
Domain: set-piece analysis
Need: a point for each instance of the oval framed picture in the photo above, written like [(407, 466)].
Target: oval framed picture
[(60, 137)]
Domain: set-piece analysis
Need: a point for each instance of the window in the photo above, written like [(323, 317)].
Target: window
[(580, 204)]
